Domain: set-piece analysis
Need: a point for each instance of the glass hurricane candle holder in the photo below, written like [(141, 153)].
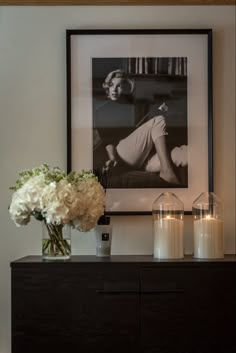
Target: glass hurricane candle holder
[(168, 215), (208, 226)]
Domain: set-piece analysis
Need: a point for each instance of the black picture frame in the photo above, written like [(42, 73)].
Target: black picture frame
[(195, 45)]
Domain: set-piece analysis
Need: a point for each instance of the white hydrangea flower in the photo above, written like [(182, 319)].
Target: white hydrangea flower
[(93, 197), (26, 200), (51, 195), (19, 211), (60, 202)]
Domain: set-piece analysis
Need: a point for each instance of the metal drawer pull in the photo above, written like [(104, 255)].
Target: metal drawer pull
[(125, 291), (162, 291)]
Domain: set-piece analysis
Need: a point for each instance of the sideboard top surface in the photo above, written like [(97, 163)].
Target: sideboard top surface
[(115, 259)]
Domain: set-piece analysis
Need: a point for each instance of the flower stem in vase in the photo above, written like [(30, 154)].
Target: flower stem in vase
[(56, 243)]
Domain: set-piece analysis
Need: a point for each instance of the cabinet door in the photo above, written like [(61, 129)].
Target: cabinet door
[(188, 310), (68, 309)]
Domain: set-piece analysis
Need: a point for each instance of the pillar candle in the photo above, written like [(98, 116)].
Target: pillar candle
[(208, 238), (168, 238)]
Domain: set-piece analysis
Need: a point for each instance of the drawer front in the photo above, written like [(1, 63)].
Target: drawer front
[(74, 308), (161, 280), (187, 310), (163, 309)]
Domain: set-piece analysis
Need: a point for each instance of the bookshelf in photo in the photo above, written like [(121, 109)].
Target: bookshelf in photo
[(174, 66)]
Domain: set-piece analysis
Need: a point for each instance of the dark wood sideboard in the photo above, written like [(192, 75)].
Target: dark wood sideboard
[(124, 304)]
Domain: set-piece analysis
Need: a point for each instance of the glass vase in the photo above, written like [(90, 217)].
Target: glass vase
[(168, 215), (208, 226), (56, 243)]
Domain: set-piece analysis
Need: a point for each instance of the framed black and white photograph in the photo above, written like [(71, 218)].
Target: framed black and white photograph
[(139, 107)]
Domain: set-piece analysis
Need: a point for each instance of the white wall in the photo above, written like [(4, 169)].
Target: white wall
[(33, 116)]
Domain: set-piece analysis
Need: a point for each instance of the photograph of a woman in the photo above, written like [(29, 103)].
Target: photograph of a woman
[(140, 121)]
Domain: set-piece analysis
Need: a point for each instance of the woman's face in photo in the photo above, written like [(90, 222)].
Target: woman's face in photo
[(116, 88)]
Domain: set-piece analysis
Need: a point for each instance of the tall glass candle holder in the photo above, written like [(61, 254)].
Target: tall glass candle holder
[(208, 226), (168, 215)]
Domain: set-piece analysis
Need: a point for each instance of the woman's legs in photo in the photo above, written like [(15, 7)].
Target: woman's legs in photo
[(166, 170), (179, 156), (136, 148)]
